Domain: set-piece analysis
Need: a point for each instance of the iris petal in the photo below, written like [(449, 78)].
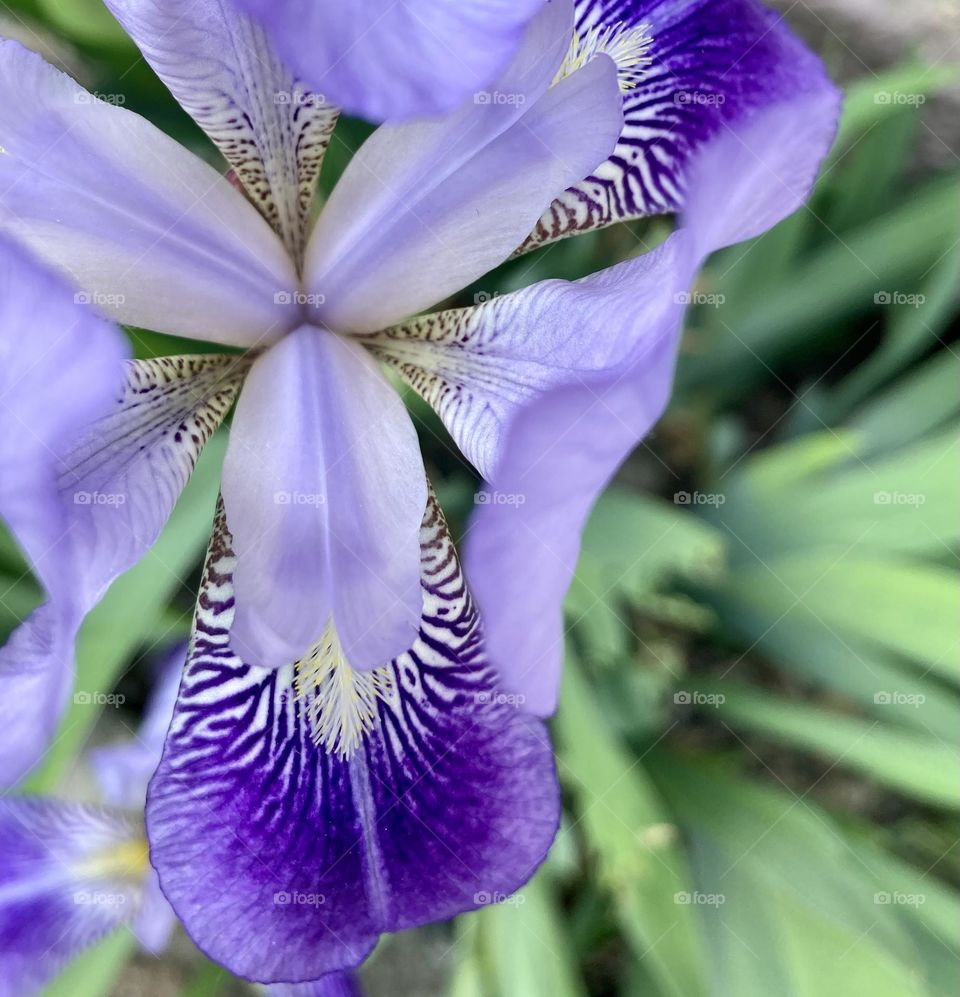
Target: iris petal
[(386, 59), (69, 874), (426, 208), (116, 486), (220, 66), (562, 449), (152, 235), (711, 64), (325, 489), (285, 852)]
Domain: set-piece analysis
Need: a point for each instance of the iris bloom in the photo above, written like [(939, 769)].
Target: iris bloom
[(340, 731), (72, 872)]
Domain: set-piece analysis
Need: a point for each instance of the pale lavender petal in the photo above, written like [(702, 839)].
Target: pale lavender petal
[(123, 770), (60, 368), (325, 489), (116, 486), (387, 59), (708, 64), (441, 203), (563, 448), (148, 232), (271, 129), (69, 874), (298, 813)]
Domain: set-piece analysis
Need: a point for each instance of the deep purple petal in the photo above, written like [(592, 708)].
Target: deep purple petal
[(115, 487), (69, 874), (147, 231), (224, 72), (325, 489), (713, 63), (292, 822), (387, 59), (424, 209), (563, 448)]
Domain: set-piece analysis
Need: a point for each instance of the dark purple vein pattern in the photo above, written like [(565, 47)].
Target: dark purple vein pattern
[(285, 853)]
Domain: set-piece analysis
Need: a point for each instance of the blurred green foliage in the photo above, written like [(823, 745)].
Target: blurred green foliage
[(757, 737)]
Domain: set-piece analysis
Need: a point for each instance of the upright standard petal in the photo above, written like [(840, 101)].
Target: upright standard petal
[(271, 129), (69, 874), (563, 448), (396, 59), (148, 232), (115, 488), (444, 202), (300, 812), (692, 68), (325, 489)]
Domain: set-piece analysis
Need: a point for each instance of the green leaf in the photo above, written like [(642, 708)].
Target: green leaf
[(918, 766), (906, 607), (800, 914), (523, 945), (628, 829), (94, 972)]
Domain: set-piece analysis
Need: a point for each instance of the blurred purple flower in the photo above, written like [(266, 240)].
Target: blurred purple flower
[(70, 873)]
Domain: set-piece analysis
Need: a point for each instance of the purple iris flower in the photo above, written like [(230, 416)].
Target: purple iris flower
[(343, 760), (72, 872), (323, 483), (396, 59)]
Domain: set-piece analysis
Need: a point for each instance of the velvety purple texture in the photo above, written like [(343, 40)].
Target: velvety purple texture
[(286, 858)]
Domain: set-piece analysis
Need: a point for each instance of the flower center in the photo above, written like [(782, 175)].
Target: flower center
[(629, 47), (341, 703)]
